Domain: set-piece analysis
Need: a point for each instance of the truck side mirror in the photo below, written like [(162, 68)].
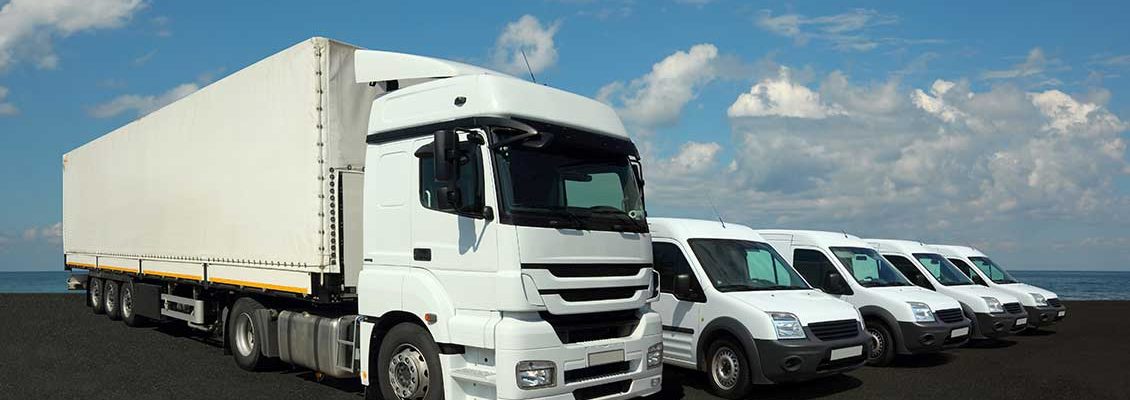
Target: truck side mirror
[(445, 150), (682, 284)]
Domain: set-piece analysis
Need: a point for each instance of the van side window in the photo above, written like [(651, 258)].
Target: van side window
[(813, 266), (470, 180), (967, 270), (669, 261), (907, 268)]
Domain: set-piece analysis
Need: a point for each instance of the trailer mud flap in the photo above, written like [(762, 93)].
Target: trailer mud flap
[(147, 300)]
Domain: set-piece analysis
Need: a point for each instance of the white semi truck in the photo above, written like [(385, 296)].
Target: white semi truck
[(436, 229)]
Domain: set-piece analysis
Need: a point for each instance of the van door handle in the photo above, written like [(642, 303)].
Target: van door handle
[(422, 254)]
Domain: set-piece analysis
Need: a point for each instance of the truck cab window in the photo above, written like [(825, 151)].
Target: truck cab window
[(469, 183), (669, 261)]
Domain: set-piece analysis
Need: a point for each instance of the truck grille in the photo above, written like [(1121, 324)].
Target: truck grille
[(595, 294), (589, 270), (1013, 308), (1054, 302), (596, 372), (835, 330), (576, 328), (598, 391), (950, 316)]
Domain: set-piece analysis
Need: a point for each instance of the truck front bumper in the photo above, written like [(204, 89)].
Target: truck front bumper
[(999, 325), (918, 338), (1044, 316), (796, 360), (583, 370)]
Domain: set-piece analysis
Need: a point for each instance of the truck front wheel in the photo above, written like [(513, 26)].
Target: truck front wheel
[(408, 365), (728, 369), (241, 330)]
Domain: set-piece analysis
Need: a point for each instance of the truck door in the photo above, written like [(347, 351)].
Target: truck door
[(680, 312)]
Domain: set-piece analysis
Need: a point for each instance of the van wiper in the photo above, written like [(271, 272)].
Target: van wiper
[(731, 287)]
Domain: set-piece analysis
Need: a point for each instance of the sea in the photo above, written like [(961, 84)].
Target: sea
[(1069, 285)]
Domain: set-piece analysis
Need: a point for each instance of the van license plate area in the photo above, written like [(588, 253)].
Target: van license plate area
[(606, 357), (1021, 321), (959, 332), (839, 354)]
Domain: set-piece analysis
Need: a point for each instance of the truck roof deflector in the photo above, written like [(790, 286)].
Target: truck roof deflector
[(380, 66)]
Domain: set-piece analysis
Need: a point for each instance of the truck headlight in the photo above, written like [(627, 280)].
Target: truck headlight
[(1040, 300), (993, 304), (536, 374), (787, 325), (921, 311), (655, 356)]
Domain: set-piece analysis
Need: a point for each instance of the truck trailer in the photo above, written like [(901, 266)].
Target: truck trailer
[(435, 229)]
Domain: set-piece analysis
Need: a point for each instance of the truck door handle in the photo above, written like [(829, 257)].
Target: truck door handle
[(422, 254)]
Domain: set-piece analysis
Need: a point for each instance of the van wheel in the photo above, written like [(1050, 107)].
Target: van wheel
[(882, 344), (728, 370), (94, 290), (128, 316), (410, 359), (112, 299), (241, 332)]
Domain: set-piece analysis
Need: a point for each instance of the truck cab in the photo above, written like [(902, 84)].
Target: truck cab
[(505, 243), (1043, 306), (900, 317), (993, 313), (734, 308)]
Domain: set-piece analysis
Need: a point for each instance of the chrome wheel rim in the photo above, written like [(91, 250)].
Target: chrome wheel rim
[(725, 368), (878, 344), (408, 373), (127, 300), (244, 335), (111, 298), (95, 292)]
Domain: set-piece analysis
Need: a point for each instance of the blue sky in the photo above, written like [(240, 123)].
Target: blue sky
[(963, 122)]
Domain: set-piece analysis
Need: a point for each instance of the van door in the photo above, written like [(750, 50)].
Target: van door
[(680, 311)]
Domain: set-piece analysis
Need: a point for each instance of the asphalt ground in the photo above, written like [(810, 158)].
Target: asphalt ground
[(52, 346)]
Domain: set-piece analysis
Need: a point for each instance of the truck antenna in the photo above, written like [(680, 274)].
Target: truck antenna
[(716, 213), (532, 78)]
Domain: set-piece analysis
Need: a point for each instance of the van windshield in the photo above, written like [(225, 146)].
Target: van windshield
[(741, 265), (992, 270), (868, 268), (942, 269)]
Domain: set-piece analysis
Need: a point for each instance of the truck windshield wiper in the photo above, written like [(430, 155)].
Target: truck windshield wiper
[(619, 214)]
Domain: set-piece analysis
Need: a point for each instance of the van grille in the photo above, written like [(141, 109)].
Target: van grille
[(1054, 302), (589, 270), (598, 391), (1013, 308), (835, 330), (576, 328), (950, 316)]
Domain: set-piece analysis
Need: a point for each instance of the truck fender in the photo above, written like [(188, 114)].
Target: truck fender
[(879, 313), (727, 325), (424, 294)]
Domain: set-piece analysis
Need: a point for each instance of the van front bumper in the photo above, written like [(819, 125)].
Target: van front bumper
[(794, 360), (1044, 316), (918, 338), (998, 325)]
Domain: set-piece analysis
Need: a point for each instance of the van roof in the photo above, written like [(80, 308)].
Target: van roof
[(900, 246), (957, 251), (815, 238), (686, 228)]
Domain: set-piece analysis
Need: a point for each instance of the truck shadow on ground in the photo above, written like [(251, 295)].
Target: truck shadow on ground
[(677, 381)]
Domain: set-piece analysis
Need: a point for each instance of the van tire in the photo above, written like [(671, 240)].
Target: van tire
[(408, 347), (728, 370), (882, 350), (241, 331), (94, 295), (113, 299)]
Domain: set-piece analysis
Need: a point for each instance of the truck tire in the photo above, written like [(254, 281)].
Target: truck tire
[(882, 344), (113, 299), (94, 291), (128, 316), (408, 365), (728, 370), (241, 330)]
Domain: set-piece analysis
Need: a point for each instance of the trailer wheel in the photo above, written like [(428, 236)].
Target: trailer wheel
[(113, 299), (409, 365), (882, 344), (128, 316), (728, 370), (95, 298), (241, 332)]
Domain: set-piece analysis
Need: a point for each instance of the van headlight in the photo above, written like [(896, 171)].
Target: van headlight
[(1040, 300), (655, 356), (787, 325), (993, 304), (921, 311), (536, 374)]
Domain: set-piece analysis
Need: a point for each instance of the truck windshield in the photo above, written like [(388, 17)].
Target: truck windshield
[(577, 180), (942, 269), (868, 268), (992, 270), (741, 265)]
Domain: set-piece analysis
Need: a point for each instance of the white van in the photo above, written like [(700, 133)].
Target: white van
[(1042, 305), (901, 318), (732, 307), (994, 313)]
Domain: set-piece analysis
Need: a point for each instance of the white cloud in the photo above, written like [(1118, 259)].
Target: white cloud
[(529, 35), (6, 107), (845, 32), (934, 103), (1034, 64), (781, 97), (1069, 116), (28, 27), (142, 104), (52, 234), (658, 98)]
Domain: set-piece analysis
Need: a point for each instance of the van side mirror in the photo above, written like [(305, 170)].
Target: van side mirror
[(836, 284), (682, 285)]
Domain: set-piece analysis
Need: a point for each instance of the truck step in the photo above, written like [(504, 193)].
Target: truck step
[(474, 374)]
